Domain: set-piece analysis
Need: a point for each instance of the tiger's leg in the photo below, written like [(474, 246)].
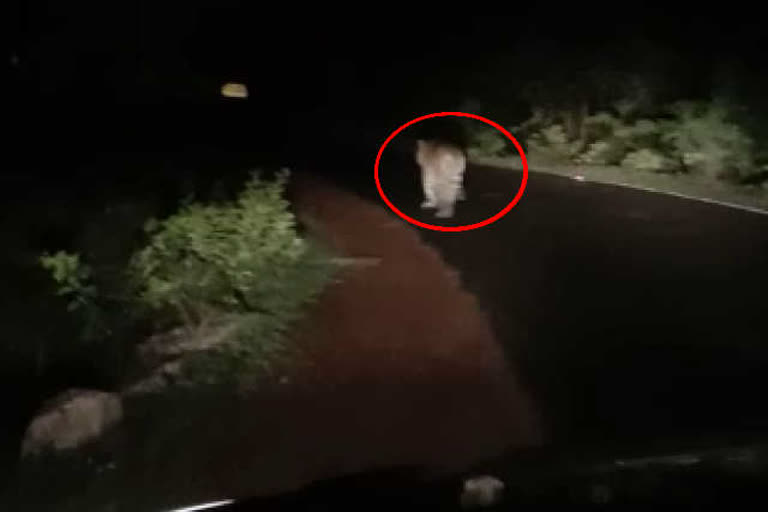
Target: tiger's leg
[(461, 195), (444, 209), (450, 191), (446, 199), (428, 184)]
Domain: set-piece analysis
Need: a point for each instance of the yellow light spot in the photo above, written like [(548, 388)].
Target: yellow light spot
[(234, 90)]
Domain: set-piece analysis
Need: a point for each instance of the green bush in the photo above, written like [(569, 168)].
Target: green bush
[(229, 257), (710, 138), (610, 140), (601, 126), (642, 134), (603, 152), (71, 276), (75, 284), (241, 261), (538, 120), (606, 139), (647, 159), (487, 141), (703, 138), (239, 264), (552, 143)]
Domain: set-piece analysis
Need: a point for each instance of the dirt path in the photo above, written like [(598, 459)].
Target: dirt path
[(405, 365)]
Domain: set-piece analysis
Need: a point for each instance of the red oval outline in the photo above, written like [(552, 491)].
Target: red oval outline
[(466, 227)]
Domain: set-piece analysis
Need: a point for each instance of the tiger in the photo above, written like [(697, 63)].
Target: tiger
[(442, 175)]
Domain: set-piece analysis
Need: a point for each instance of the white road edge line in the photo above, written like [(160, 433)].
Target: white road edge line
[(751, 209), (203, 506)]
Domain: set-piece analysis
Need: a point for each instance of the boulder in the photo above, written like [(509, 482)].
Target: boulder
[(481, 491), (162, 356), (160, 349), (70, 420)]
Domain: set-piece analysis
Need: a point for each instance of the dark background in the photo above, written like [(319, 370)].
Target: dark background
[(138, 72), (125, 95)]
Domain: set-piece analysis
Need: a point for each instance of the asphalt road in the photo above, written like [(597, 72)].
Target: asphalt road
[(631, 316)]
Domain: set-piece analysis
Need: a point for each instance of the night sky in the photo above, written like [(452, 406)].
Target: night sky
[(61, 44), (73, 58)]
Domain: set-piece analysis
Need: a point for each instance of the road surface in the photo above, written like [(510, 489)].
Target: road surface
[(633, 316)]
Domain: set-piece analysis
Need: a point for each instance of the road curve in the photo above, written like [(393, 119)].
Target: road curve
[(633, 315)]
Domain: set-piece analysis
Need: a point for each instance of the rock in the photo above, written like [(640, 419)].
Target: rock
[(72, 419), (481, 491), (161, 378), (162, 356), (174, 345)]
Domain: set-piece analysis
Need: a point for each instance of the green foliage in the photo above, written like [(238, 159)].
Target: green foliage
[(239, 262), (615, 142), (700, 137), (259, 341), (71, 276), (243, 260), (632, 128), (487, 141), (647, 159), (601, 126), (553, 142), (225, 257), (604, 125), (604, 152), (554, 136), (74, 283), (707, 142), (643, 133)]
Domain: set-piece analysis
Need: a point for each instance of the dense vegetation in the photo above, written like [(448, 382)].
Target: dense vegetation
[(641, 116), (240, 263)]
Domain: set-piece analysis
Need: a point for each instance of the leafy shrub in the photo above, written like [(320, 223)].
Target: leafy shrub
[(643, 134), (487, 141), (231, 257), (704, 139), (710, 138), (71, 277), (604, 152), (605, 140), (243, 260), (554, 136), (637, 145), (239, 263), (647, 159), (601, 126), (529, 130), (552, 142), (74, 282)]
